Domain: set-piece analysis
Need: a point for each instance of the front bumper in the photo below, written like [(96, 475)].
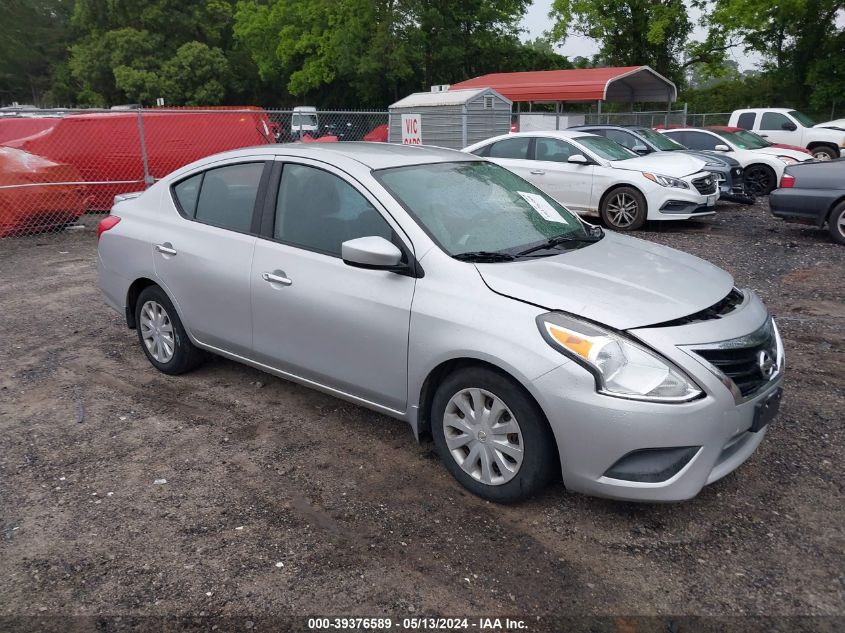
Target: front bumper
[(594, 432)]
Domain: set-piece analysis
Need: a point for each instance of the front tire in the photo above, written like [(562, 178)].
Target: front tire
[(491, 436), (161, 334), (760, 180), (823, 152), (836, 223), (624, 209)]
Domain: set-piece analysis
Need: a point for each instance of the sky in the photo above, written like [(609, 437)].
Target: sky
[(536, 21)]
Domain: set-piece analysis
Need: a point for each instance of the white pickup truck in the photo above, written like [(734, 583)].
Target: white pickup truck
[(782, 125)]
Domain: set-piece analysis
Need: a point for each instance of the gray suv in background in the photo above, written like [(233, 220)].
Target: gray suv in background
[(441, 289), (644, 140)]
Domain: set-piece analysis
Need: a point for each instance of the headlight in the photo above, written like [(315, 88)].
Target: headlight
[(788, 160), (666, 181), (621, 367)]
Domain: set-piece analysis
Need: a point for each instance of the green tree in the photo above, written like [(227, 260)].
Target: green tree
[(629, 32), (337, 51), (34, 35), (137, 51), (794, 37)]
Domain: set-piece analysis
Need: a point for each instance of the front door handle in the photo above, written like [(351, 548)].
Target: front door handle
[(276, 277), (166, 248), (538, 172)]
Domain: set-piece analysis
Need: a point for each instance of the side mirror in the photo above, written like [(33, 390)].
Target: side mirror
[(789, 126), (640, 149), (577, 159), (372, 252), (722, 148)]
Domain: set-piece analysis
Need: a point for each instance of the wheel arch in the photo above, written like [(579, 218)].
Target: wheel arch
[(620, 185), (435, 377), (813, 145), (132, 294), (832, 206)]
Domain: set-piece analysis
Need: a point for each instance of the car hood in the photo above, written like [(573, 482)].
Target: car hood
[(785, 150), (672, 164), (722, 159), (620, 281)]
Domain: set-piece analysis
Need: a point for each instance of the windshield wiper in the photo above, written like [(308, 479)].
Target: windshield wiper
[(484, 256), (594, 236)]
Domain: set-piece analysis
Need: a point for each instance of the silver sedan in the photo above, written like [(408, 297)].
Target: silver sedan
[(443, 290)]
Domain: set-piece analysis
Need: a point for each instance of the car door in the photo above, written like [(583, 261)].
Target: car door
[(569, 183), (203, 246), (315, 316), (771, 128)]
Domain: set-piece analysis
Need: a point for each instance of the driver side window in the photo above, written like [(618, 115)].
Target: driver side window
[(773, 121), (318, 211), (700, 140)]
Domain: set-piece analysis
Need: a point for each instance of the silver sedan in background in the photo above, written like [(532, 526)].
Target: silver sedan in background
[(441, 289)]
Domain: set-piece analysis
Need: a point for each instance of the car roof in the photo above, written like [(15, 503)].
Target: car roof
[(369, 154), (766, 110), (688, 129), (609, 126), (553, 133)]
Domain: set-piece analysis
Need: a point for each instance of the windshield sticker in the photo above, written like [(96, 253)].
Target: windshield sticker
[(542, 206)]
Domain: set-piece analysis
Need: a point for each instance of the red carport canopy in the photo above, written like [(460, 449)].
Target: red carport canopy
[(625, 84)]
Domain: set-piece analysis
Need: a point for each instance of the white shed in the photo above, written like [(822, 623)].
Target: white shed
[(454, 118)]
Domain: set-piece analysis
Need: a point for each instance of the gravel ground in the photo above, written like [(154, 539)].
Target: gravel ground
[(282, 500)]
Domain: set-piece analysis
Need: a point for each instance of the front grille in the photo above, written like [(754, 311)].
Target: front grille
[(705, 185), (749, 361)]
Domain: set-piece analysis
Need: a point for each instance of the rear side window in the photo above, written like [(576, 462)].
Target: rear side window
[(746, 120), (186, 193), (223, 196), (511, 148)]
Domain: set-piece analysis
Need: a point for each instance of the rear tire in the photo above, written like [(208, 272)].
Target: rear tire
[(836, 223), (161, 334), (624, 209), (760, 180), (499, 445)]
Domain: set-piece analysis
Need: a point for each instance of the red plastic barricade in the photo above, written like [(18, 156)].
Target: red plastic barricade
[(106, 147), (37, 194)]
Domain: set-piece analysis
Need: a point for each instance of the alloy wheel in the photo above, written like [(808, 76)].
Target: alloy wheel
[(757, 181), (483, 436), (622, 210), (821, 155), (157, 331)]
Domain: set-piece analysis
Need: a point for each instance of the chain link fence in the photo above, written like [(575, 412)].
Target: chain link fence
[(56, 166)]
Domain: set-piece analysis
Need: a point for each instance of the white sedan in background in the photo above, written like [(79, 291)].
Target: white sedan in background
[(593, 175), (762, 166)]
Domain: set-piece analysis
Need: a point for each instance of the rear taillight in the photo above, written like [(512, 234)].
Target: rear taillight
[(108, 222), (787, 181)]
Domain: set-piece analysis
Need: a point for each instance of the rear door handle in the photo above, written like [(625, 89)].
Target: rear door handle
[(276, 277), (538, 172), (166, 248)]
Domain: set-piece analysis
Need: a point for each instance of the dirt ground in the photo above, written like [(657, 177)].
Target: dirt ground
[(282, 500)]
